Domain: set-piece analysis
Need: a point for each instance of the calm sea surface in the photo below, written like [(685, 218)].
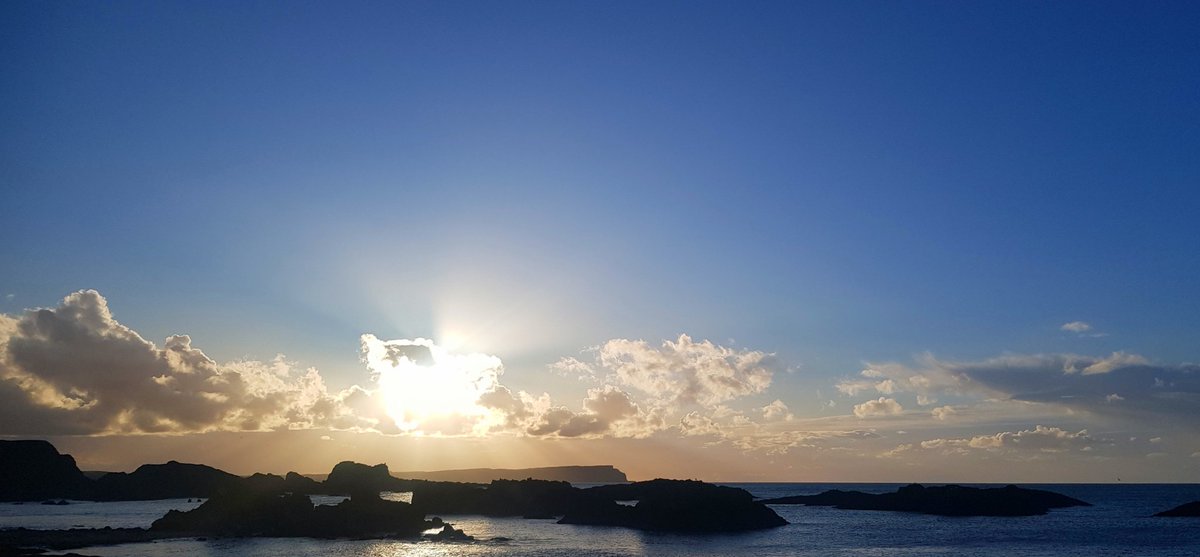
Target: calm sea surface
[(1119, 523)]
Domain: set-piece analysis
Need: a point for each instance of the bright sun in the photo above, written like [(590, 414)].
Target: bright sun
[(425, 388)]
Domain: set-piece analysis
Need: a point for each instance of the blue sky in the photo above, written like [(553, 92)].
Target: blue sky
[(836, 183)]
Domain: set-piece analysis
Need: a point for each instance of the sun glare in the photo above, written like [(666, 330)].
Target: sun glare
[(426, 388)]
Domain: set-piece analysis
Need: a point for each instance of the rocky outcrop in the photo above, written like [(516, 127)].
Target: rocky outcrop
[(352, 478), (947, 500), (1187, 510), (34, 471), (675, 506), (172, 480), (248, 513), (527, 498)]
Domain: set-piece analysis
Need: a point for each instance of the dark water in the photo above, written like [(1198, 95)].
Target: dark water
[(1119, 523)]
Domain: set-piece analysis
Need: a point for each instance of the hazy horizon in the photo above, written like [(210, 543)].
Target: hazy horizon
[(793, 241)]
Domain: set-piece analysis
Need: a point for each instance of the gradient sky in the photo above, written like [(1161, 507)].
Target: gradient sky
[(905, 241)]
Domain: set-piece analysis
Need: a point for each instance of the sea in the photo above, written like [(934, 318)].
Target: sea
[(1118, 523)]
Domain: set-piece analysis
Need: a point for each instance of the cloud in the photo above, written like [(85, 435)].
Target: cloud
[(1039, 439), (1154, 394), (943, 412), (776, 411), (75, 369), (572, 367), (686, 373), (881, 407), (1076, 327)]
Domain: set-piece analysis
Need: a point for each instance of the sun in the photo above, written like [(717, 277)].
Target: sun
[(426, 388)]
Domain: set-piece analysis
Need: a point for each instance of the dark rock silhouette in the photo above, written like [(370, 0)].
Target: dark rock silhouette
[(35, 471), (948, 500), (675, 506), (574, 474), (450, 534), (292, 483), (1187, 509), (527, 498), (352, 478), (271, 505), (173, 480), (296, 483), (247, 513)]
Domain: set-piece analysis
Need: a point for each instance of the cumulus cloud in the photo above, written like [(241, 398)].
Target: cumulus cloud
[(880, 407), (75, 369), (685, 373), (776, 411), (943, 412)]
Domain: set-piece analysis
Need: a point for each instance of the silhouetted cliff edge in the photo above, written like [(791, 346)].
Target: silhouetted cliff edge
[(34, 470)]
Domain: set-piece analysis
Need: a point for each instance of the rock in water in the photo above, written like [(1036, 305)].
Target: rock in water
[(1187, 509), (675, 506), (352, 478), (249, 513), (947, 500)]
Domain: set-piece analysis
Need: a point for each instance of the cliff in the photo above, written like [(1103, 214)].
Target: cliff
[(33, 470), (574, 474)]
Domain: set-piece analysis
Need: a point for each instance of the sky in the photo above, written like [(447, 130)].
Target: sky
[(786, 241)]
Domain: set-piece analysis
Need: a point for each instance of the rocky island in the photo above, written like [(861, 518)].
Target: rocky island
[(1185, 510), (269, 505), (946, 500)]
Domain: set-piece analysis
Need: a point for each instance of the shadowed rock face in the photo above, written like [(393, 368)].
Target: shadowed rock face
[(948, 500), (528, 498), (246, 513), (675, 506), (1186, 510), (34, 470), (352, 478), (163, 481)]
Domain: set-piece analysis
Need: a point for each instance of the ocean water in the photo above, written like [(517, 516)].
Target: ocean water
[(1119, 523)]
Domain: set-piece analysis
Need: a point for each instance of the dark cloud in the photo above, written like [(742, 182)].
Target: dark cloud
[(1119, 385)]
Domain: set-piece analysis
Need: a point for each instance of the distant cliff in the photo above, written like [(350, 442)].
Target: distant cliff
[(573, 474)]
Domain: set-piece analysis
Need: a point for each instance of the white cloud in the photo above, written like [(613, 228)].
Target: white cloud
[(776, 411), (687, 373), (572, 367), (1114, 361), (1039, 439), (880, 407), (1076, 327), (1114, 398), (943, 412)]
